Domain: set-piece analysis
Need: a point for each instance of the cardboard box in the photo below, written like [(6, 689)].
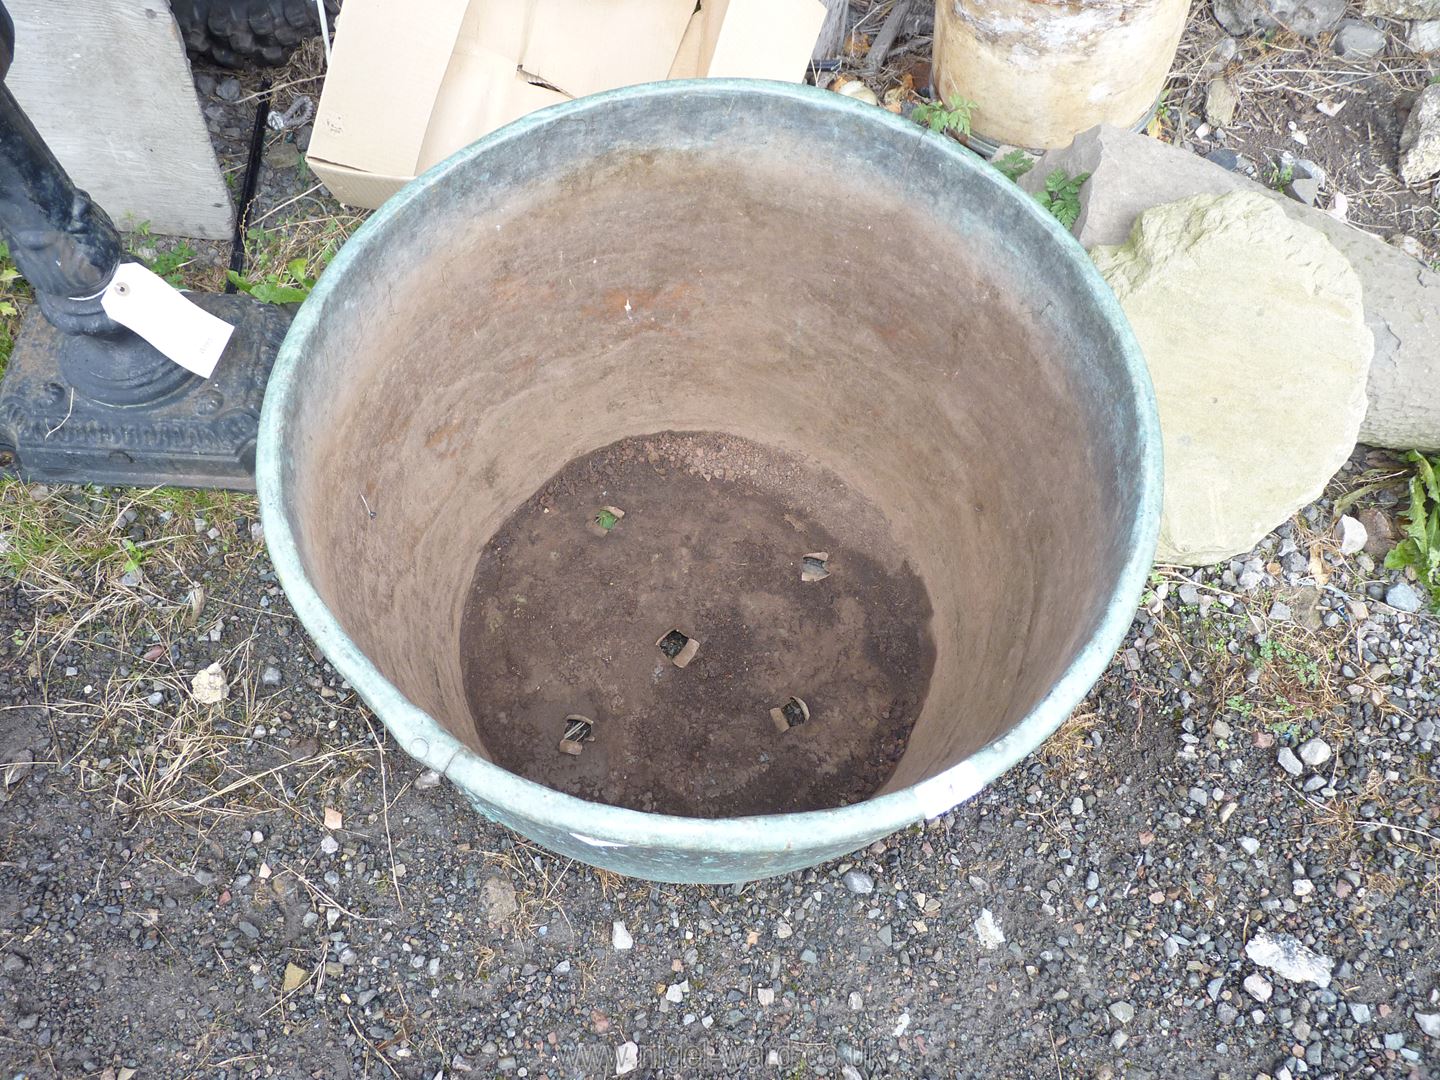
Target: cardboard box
[(412, 82)]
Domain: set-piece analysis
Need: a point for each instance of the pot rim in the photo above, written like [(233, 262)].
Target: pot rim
[(604, 825)]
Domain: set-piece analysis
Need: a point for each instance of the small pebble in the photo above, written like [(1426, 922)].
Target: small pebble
[(1404, 597), (858, 882), (1258, 987), (1314, 752), (1351, 534)]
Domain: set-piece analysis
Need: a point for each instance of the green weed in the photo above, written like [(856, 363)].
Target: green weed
[(133, 555), (62, 534), (75, 530), (291, 286), (13, 290), (1420, 549), (1015, 164), (1284, 729), (938, 118), (1280, 177), (1062, 196), (285, 261), (1302, 667), (171, 264)]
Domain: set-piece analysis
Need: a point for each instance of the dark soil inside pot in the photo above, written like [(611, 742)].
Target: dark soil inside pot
[(570, 604)]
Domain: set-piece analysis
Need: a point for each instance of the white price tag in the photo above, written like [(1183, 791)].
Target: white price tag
[(149, 305)]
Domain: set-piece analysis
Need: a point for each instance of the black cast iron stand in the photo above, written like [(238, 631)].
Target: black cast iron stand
[(83, 398)]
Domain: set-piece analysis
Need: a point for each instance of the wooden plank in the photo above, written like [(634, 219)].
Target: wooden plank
[(885, 40), (107, 84), (833, 30)]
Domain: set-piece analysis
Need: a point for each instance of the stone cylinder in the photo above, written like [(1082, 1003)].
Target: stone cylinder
[(1041, 73)]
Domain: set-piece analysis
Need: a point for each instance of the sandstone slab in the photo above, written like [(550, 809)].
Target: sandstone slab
[(1254, 333), (1131, 173)]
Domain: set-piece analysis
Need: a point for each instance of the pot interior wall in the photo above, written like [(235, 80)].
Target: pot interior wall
[(894, 320)]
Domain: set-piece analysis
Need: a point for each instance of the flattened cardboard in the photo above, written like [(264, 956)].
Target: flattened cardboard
[(404, 94), (757, 38), (585, 47), (357, 187), (482, 91), (377, 123)]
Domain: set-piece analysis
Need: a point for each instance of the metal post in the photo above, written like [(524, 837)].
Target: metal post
[(83, 397)]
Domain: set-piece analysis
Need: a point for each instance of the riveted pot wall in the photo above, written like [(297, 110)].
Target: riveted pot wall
[(770, 261)]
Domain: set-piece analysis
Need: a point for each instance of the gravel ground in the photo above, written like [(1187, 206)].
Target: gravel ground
[(265, 887), (1225, 865)]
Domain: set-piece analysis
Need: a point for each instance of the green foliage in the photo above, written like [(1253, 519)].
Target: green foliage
[(168, 264), (290, 285), (1284, 729), (13, 288), (1301, 668), (171, 264), (606, 520), (1280, 177), (1062, 196), (938, 118), (1015, 164), (9, 275), (1420, 548), (133, 555), (285, 261), (1164, 110), (77, 530)]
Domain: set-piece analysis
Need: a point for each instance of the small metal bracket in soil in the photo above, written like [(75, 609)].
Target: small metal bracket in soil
[(578, 731), (815, 566), (679, 648), (793, 713), (605, 519)]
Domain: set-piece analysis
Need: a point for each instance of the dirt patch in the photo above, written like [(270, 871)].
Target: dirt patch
[(1297, 97), (566, 616)]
